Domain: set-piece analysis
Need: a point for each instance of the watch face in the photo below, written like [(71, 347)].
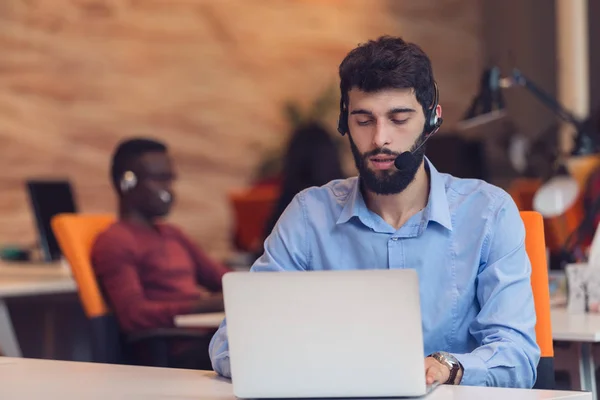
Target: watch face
[(449, 358)]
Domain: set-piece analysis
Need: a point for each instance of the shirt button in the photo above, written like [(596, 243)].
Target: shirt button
[(395, 238)]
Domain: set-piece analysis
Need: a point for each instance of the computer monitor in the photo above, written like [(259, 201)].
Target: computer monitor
[(48, 198)]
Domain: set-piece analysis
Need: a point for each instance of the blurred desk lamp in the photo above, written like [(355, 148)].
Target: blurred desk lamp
[(486, 115), (560, 193)]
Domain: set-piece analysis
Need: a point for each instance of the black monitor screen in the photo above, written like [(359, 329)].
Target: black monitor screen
[(47, 199)]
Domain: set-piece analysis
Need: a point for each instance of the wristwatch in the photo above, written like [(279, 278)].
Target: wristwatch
[(449, 361)]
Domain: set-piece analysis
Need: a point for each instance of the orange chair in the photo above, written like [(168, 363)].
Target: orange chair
[(252, 208), (535, 246), (75, 234)]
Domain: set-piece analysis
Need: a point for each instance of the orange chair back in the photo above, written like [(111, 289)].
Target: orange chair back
[(535, 246), (75, 234), (252, 208)]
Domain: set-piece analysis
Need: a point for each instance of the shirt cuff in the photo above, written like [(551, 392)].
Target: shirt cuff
[(218, 350), (221, 365), (474, 370)]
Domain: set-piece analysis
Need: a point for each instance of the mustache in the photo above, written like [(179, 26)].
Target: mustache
[(380, 151)]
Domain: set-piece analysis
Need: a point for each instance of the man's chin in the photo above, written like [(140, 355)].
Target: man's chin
[(383, 182), (381, 173), (161, 213), (376, 185)]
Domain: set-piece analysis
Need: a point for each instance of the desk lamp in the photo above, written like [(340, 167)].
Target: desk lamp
[(560, 193)]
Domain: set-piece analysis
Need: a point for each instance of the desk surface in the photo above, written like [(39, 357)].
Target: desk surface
[(575, 327), (565, 326), (26, 279), (73, 380), (207, 320)]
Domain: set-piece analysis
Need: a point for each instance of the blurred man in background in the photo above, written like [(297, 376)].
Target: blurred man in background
[(311, 159), (151, 271)]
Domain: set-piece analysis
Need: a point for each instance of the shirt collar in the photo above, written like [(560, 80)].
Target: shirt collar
[(355, 205), (437, 208)]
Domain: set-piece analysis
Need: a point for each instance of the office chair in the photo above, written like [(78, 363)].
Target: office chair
[(251, 210), (535, 246), (76, 234)]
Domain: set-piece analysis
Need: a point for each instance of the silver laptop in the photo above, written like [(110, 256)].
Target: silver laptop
[(325, 334)]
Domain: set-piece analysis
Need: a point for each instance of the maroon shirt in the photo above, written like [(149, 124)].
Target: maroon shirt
[(150, 276)]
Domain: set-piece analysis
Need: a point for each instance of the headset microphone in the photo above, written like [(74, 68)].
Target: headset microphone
[(165, 196), (432, 124), (407, 158)]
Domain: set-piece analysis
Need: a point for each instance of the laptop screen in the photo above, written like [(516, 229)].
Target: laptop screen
[(48, 198)]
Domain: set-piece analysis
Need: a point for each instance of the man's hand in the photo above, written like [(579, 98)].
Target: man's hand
[(212, 302), (435, 371)]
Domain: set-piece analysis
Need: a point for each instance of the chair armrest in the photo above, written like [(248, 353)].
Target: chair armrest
[(166, 333)]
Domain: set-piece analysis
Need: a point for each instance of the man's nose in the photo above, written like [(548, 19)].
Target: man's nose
[(382, 135)]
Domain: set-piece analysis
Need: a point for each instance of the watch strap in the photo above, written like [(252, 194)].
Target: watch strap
[(453, 373), (452, 366)]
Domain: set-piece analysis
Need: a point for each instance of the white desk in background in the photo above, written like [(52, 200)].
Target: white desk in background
[(28, 279), (206, 320), (47, 379), (583, 330)]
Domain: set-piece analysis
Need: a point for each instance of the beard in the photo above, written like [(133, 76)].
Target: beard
[(392, 181)]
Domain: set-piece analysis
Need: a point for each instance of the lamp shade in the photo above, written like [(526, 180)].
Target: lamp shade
[(556, 196)]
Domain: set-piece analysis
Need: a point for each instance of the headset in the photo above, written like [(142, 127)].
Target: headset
[(432, 121), (128, 181)]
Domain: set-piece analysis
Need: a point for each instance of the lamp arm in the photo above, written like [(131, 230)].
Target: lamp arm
[(517, 78)]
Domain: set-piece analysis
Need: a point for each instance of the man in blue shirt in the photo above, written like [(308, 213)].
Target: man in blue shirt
[(464, 237)]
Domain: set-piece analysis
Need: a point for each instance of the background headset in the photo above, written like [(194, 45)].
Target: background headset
[(128, 181), (432, 121)]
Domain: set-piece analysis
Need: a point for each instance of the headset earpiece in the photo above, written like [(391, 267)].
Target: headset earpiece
[(128, 181), (432, 121), (343, 119)]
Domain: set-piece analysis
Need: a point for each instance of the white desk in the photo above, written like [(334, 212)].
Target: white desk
[(207, 320), (44, 379), (28, 279), (575, 327), (583, 329)]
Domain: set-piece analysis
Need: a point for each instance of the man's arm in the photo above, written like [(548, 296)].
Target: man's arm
[(209, 272), (114, 264), (286, 248), (505, 326)]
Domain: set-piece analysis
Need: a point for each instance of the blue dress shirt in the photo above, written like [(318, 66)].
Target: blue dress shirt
[(467, 246)]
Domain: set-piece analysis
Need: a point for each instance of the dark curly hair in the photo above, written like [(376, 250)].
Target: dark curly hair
[(388, 63)]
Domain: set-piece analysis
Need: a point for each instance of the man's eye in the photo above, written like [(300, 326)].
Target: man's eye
[(399, 121), (363, 123)]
